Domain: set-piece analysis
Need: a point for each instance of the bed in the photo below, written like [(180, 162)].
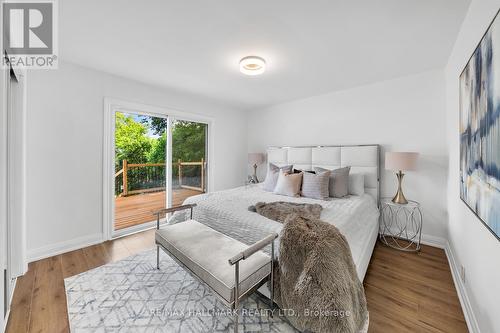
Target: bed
[(355, 216)]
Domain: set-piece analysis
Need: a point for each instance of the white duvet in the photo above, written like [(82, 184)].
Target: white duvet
[(227, 212)]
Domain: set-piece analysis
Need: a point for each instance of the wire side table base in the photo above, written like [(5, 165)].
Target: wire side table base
[(401, 225)]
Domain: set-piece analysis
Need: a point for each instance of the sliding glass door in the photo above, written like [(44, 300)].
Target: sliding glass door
[(159, 162), (189, 160), (140, 169)]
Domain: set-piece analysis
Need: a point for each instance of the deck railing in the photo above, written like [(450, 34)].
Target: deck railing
[(150, 177)]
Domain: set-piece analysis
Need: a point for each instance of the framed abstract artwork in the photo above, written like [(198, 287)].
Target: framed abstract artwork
[(480, 130)]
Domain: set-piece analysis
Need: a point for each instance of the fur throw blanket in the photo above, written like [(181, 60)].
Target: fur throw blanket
[(316, 277), (280, 210)]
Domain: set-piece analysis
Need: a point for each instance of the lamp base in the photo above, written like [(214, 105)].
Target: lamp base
[(399, 198), (253, 179)]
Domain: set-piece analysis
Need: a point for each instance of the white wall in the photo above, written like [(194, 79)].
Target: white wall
[(474, 246), (406, 114), (64, 150)]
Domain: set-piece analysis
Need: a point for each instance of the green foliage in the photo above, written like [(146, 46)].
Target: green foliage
[(131, 142), (157, 124), (157, 152), (188, 141)]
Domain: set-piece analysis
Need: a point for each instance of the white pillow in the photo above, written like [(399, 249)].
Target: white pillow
[(288, 184), (356, 183), (272, 176)]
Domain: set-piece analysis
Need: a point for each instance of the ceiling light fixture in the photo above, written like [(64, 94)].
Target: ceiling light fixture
[(252, 65)]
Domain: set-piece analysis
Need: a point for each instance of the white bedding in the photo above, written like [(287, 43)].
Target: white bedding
[(227, 211)]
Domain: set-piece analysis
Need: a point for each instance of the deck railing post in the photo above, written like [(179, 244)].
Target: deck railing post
[(125, 180)]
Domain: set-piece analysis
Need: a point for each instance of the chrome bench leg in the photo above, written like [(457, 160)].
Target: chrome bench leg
[(157, 257), (157, 246), (272, 279), (236, 295)]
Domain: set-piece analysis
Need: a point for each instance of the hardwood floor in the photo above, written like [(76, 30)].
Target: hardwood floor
[(412, 292), (406, 292)]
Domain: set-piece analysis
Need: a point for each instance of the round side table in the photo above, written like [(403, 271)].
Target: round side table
[(401, 225)]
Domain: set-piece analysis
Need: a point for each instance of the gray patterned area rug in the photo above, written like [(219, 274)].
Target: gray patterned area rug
[(131, 295)]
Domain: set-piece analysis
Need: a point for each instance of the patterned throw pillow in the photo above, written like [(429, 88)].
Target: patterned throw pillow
[(288, 184), (316, 186), (272, 176), (339, 181)]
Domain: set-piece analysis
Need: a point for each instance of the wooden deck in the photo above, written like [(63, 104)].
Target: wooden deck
[(136, 209)]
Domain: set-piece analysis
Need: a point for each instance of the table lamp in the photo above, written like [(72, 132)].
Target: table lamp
[(400, 161), (255, 159)]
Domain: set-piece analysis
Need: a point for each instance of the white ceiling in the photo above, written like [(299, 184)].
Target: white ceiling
[(311, 47)]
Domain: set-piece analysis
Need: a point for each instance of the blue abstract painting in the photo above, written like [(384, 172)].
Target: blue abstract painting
[(480, 130)]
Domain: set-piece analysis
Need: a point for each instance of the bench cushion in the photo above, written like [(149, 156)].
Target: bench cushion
[(206, 252)]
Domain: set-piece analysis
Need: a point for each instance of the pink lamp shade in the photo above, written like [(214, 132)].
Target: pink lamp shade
[(404, 161), (255, 158)]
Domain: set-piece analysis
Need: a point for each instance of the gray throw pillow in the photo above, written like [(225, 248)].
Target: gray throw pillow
[(339, 181), (272, 176), (316, 185)]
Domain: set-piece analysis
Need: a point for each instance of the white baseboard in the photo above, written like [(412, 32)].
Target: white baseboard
[(430, 240), (435, 241), (62, 247), (469, 315)]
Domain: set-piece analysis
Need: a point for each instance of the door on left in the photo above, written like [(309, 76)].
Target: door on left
[(140, 179)]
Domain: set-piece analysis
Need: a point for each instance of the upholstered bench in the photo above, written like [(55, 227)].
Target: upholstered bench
[(233, 270)]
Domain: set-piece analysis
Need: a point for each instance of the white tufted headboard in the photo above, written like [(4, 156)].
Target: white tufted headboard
[(361, 158)]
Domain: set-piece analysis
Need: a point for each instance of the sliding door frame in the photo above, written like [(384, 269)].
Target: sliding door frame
[(5, 75), (111, 106), (13, 261)]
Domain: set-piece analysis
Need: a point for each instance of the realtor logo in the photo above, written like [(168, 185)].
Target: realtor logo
[(29, 32)]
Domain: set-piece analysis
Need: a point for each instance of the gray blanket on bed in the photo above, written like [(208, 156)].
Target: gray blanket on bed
[(316, 276)]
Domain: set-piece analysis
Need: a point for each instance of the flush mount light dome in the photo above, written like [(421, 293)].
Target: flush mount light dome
[(252, 65)]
